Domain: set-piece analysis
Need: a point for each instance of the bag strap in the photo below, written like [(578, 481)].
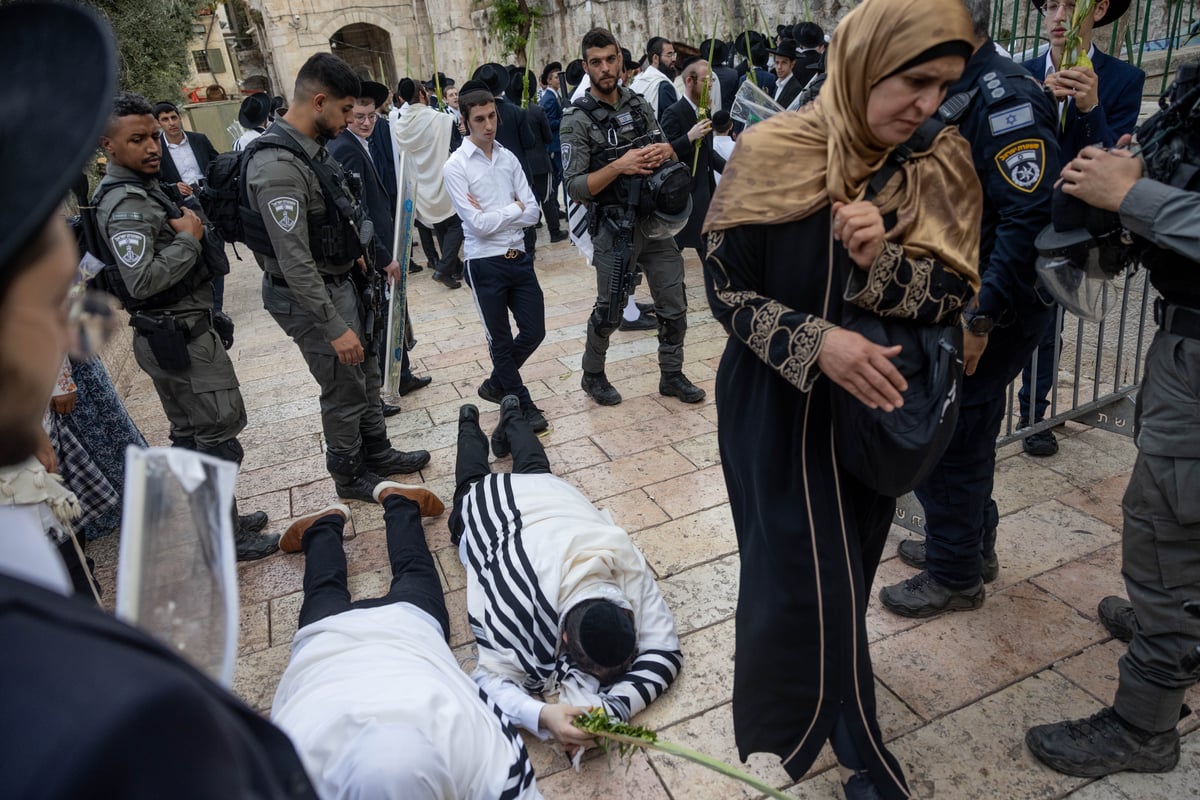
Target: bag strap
[(922, 139)]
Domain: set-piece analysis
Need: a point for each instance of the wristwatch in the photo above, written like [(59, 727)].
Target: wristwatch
[(978, 324)]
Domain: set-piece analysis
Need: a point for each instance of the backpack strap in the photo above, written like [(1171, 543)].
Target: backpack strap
[(919, 142)]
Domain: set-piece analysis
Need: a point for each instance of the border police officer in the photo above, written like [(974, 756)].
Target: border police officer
[(159, 272), (1011, 126), (307, 231), (597, 165)]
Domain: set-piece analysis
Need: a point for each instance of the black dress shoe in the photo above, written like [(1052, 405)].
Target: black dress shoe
[(560, 236), (1041, 444), (510, 406), (644, 322), (253, 522), (676, 384), (446, 280), (415, 268), (599, 389), (921, 596), (489, 391), (412, 383), (535, 418), (390, 410), (1101, 745)]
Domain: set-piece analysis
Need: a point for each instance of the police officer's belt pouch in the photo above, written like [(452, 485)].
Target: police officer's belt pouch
[(168, 340)]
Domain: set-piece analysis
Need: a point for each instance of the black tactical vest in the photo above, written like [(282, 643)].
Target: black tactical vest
[(622, 130)]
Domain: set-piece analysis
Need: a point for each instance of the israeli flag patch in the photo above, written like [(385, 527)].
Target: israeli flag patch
[(1011, 119)]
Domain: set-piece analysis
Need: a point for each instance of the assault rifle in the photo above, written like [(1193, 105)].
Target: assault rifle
[(625, 276), (371, 284)]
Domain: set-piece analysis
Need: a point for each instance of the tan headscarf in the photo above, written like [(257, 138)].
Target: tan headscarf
[(795, 163)]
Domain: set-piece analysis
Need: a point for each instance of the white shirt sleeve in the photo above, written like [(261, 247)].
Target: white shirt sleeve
[(479, 222), (533, 211), (512, 700)]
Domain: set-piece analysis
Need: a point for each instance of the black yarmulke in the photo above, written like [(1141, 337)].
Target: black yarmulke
[(606, 634)]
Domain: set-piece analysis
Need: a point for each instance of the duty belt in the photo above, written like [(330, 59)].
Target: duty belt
[(1179, 320), (142, 322), (331, 280)]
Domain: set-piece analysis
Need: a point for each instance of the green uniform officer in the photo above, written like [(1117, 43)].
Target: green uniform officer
[(307, 235), (615, 141), (158, 271)]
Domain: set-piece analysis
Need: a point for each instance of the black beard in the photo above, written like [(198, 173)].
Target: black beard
[(668, 71)]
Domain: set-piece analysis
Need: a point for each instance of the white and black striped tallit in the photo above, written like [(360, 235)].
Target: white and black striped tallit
[(534, 548)]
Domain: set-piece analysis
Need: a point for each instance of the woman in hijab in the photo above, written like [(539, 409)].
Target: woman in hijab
[(791, 211)]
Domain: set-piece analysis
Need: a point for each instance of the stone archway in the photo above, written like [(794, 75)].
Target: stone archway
[(368, 49)]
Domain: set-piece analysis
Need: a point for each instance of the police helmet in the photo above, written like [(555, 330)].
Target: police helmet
[(667, 200)]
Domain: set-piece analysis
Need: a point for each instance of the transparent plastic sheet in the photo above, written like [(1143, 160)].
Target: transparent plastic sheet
[(176, 577), (1077, 282), (751, 104)]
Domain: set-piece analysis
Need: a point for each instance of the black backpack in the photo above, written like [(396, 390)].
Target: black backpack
[(221, 197)]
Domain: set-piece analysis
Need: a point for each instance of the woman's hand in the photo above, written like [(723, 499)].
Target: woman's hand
[(863, 368), (859, 227)]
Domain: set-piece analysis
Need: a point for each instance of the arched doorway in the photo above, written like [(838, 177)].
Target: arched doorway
[(368, 49)]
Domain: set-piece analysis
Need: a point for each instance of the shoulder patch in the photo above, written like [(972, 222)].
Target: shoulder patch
[(1011, 119), (129, 247), (566, 153), (1022, 164), (285, 212)]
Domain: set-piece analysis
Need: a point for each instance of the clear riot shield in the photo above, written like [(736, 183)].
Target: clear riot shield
[(176, 577), (398, 328), (751, 104)]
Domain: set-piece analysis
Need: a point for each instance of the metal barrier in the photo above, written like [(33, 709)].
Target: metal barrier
[(1149, 28)]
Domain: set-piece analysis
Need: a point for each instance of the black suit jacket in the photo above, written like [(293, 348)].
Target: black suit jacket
[(95, 708), (350, 153), (384, 156), (202, 148), (790, 89), (515, 133), (677, 120), (727, 77)]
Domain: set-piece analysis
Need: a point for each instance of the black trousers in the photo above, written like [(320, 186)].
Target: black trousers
[(548, 200), (471, 464), (414, 575), (502, 284)]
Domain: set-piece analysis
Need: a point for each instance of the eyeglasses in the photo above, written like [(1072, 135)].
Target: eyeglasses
[(1052, 7)]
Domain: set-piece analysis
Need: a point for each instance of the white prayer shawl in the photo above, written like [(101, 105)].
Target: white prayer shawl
[(534, 548), (423, 133), (646, 84), (379, 708)]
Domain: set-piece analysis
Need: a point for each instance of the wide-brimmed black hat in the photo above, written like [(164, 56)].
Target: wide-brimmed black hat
[(374, 90), (439, 79), (808, 35), (41, 154), (1115, 9), (786, 48), (492, 75), (254, 111)]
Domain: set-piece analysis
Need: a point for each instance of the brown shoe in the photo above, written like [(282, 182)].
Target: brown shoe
[(426, 500), (290, 543)]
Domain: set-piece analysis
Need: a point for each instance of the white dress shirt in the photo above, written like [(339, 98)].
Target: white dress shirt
[(496, 183), (185, 160)]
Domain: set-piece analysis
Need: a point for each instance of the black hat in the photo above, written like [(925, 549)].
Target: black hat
[(472, 87), (785, 48), (808, 35), (1115, 9), (516, 86), (33, 38), (553, 66), (492, 75), (254, 111), (606, 634), (376, 91), (439, 79), (717, 48)]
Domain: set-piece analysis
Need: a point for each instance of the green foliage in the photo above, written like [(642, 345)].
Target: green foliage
[(152, 38), (510, 21)]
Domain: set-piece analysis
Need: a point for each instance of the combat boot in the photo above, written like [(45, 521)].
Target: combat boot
[(676, 384), (248, 543), (1101, 745), (599, 389), (912, 552), (351, 478), (1117, 616), (381, 458), (921, 596), (255, 521)]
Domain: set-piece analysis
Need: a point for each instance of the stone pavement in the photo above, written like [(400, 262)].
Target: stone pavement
[(955, 694)]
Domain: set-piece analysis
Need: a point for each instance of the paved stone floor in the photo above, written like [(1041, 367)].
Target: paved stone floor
[(955, 694)]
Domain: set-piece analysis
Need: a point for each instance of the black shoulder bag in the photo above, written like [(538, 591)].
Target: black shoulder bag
[(893, 452)]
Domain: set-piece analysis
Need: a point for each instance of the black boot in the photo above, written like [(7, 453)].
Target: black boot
[(599, 389), (1101, 745), (1117, 617), (921, 596), (249, 544), (351, 477), (381, 458), (255, 521), (912, 552), (676, 384)]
